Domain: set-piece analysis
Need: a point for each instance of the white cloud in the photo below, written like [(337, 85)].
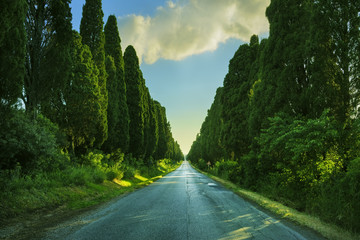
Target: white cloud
[(186, 27)]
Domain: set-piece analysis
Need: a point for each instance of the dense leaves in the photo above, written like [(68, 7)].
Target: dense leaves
[(134, 93), (48, 30), (118, 114), (91, 31), (12, 49), (83, 97), (76, 93), (289, 111), (31, 144)]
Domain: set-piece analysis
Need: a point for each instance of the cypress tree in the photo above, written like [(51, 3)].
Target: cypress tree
[(134, 94), (237, 85), (83, 110), (334, 67), (169, 141), (209, 143), (91, 31), (113, 115), (119, 122), (335, 50), (214, 145), (284, 81), (162, 126), (195, 151), (57, 62), (12, 48), (48, 28), (151, 134)]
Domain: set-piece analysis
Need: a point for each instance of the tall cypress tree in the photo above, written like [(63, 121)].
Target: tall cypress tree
[(134, 94), (235, 100), (91, 31), (48, 28), (151, 134), (118, 115), (113, 115), (82, 114), (161, 147), (283, 79), (335, 49), (211, 142), (12, 48), (57, 62)]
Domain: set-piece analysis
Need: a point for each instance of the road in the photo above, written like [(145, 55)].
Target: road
[(182, 205)]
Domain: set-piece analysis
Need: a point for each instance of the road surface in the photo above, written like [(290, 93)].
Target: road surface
[(182, 205)]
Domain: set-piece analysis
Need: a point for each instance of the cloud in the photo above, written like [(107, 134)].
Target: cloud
[(187, 27)]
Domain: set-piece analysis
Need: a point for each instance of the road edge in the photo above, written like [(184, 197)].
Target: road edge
[(35, 224), (295, 218)]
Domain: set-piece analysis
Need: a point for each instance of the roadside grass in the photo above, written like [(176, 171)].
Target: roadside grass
[(329, 231), (71, 189)]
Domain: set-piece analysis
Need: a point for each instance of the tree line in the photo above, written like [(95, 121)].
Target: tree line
[(65, 92), (286, 121)]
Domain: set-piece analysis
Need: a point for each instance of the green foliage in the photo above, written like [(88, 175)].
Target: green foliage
[(75, 95), (118, 114), (161, 121), (202, 164), (81, 176), (151, 132), (12, 48), (237, 84), (109, 165), (289, 111), (228, 170), (113, 114), (296, 155), (48, 28), (32, 144), (83, 100), (335, 48), (91, 31), (338, 199), (56, 65), (209, 142), (129, 172), (134, 94), (211, 131)]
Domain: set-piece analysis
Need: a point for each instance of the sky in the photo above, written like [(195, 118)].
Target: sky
[(184, 48)]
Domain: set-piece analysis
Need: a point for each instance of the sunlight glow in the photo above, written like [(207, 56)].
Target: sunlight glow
[(141, 178), (239, 234), (122, 183)]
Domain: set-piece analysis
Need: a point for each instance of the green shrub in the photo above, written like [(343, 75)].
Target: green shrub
[(94, 159), (77, 176), (338, 201), (116, 158), (32, 143), (229, 170), (129, 172), (98, 176), (201, 164), (111, 174)]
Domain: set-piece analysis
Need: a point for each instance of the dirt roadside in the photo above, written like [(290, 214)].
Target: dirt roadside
[(34, 225)]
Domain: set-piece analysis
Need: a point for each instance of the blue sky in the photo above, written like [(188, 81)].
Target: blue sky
[(184, 47)]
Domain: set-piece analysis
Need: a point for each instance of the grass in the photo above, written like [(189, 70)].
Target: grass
[(71, 189), (329, 231)]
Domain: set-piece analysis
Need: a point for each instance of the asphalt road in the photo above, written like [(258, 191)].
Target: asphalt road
[(182, 205)]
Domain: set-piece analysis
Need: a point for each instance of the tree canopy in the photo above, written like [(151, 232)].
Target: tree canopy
[(289, 110)]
